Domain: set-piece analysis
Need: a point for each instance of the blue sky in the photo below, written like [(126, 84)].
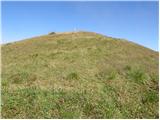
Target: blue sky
[(135, 21)]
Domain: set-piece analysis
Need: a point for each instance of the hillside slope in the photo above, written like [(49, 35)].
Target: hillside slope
[(79, 75)]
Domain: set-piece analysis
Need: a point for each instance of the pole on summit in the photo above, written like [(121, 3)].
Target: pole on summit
[(75, 29)]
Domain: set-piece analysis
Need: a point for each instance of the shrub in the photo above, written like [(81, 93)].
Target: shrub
[(51, 33)]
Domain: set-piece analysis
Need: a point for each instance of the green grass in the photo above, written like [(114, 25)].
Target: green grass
[(79, 75), (51, 104), (137, 75)]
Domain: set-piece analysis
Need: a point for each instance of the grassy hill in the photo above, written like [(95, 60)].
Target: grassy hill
[(79, 75)]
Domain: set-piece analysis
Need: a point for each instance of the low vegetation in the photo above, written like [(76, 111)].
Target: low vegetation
[(79, 75)]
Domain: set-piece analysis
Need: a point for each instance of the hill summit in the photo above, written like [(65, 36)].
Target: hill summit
[(79, 75)]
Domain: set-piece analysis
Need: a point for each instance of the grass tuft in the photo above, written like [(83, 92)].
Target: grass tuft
[(73, 76), (137, 75)]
